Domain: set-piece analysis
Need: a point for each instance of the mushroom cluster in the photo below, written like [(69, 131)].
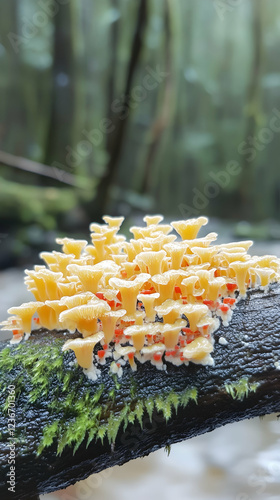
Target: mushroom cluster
[(153, 298)]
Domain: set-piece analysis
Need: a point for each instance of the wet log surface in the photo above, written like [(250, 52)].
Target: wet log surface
[(184, 401)]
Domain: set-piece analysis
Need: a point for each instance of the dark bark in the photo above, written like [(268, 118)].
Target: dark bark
[(251, 354)]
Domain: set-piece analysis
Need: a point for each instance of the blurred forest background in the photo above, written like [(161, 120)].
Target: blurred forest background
[(136, 106)]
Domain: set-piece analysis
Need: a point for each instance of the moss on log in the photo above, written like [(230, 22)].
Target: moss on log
[(68, 427)]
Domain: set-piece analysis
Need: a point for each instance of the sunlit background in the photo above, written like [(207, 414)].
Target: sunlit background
[(130, 107)]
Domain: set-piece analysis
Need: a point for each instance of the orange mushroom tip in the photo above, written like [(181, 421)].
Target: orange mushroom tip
[(155, 298)]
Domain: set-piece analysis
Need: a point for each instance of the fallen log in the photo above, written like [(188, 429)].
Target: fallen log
[(68, 427)]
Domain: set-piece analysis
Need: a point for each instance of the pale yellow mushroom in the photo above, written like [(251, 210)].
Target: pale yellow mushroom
[(199, 242), (88, 275), (119, 259), (151, 261), (25, 312), (164, 284), (158, 241), (150, 350), (99, 242), (153, 220), (215, 288), (109, 320), (171, 333), (194, 313), (48, 257), (241, 244), (230, 257), (137, 334), (148, 301), (126, 351), (188, 229), (189, 288), (204, 278), (270, 261), (176, 253), (70, 288), (198, 349), (129, 290), (77, 300), (83, 348), (62, 261), (170, 310), (48, 317), (12, 323), (114, 222), (264, 274), (72, 246), (205, 254), (58, 307), (241, 270), (130, 269), (84, 317)]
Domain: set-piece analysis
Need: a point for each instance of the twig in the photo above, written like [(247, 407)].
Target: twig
[(37, 168)]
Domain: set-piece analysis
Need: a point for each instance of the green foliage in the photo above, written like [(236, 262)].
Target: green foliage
[(241, 389)]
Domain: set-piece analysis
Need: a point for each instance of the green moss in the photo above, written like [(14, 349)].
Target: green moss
[(77, 409), (241, 389), (167, 448)]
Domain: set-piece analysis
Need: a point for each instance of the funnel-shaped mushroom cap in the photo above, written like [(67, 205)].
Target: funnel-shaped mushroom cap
[(204, 278), (129, 290), (264, 274), (189, 287), (109, 321), (171, 333), (230, 257), (48, 257), (240, 244), (84, 317), (176, 252), (25, 311), (72, 246), (88, 275), (241, 270), (151, 261), (148, 301), (194, 313), (83, 348), (198, 349), (61, 263), (205, 254), (48, 317), (77, 300), (164, 284), (159, 240), (270, 261), (215, 288), (153, 219), (114, 222), (170, 310), (188, 229), (12, 323), (46, 282), (58, 307), (137, 334)]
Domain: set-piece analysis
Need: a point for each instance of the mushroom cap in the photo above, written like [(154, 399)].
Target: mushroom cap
[(189, 228), (153, 219), (83, 348), (113, 221), (198, 348), (87, 311)]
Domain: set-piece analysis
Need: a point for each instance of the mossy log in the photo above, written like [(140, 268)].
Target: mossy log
[(68, 427)]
